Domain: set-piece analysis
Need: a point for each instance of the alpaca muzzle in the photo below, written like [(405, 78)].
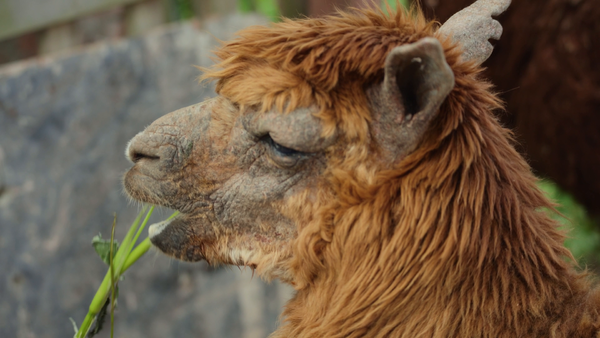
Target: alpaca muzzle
[(159, 155)]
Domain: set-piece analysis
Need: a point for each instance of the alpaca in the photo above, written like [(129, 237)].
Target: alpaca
[(357, 157)]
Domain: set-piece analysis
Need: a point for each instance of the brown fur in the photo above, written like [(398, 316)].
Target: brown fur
[(450, 241)]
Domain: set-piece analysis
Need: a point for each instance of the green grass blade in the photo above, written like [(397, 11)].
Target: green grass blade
[(136, 253), (102, 292), (142, 226), (112, 278), (141, 249), (125, 256)]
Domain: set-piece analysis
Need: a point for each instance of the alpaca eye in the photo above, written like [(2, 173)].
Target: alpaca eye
[(284, 157), (285, 151)]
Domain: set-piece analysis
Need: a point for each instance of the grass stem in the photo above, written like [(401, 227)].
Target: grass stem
[(120, 261), (112, 278)]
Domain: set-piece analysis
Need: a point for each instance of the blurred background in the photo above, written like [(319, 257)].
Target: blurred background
[(78, 79)]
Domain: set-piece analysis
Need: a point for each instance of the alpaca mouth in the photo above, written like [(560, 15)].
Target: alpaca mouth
[(182, 238), (186, 236), (144, 187), (167, 237)]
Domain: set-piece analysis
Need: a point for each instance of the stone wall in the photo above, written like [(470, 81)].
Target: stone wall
[(64, 124)]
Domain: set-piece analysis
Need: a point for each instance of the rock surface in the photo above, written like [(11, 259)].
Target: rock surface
[(64, 124)]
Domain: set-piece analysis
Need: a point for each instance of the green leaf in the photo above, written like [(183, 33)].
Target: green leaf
[(102, 247)]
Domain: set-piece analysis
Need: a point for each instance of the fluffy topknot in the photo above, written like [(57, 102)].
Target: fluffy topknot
[(315, 61)]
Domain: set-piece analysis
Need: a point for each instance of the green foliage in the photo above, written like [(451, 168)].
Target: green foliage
[(245, 6), (106, 249), (268, 8), (102, 247), (584, 233), (118, 263), (394, 4), (180, 9), (119, 259), (100, 319)]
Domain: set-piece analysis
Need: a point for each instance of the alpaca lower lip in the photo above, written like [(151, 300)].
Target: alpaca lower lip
[(172, 237), (156, 228)]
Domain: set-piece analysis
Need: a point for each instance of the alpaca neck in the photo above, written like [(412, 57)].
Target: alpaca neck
[(459, 252), (506, 295)]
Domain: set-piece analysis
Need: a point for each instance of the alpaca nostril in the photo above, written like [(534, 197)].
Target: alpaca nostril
[(138, 150), (137, 156)]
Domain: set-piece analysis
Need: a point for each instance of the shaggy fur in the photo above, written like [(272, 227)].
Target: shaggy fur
[(450, 241)]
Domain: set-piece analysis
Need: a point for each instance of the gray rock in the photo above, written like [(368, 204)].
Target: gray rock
[(64, 124), (2, 178)]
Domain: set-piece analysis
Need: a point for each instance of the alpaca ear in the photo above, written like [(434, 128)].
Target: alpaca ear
[(417, 81), (474, 26)]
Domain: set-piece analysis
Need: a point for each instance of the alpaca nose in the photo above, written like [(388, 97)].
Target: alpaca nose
[(153, 146), (168, 142), (139, 148)]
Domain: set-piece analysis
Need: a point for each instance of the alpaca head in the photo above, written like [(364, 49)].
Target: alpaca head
[(308, 112)]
